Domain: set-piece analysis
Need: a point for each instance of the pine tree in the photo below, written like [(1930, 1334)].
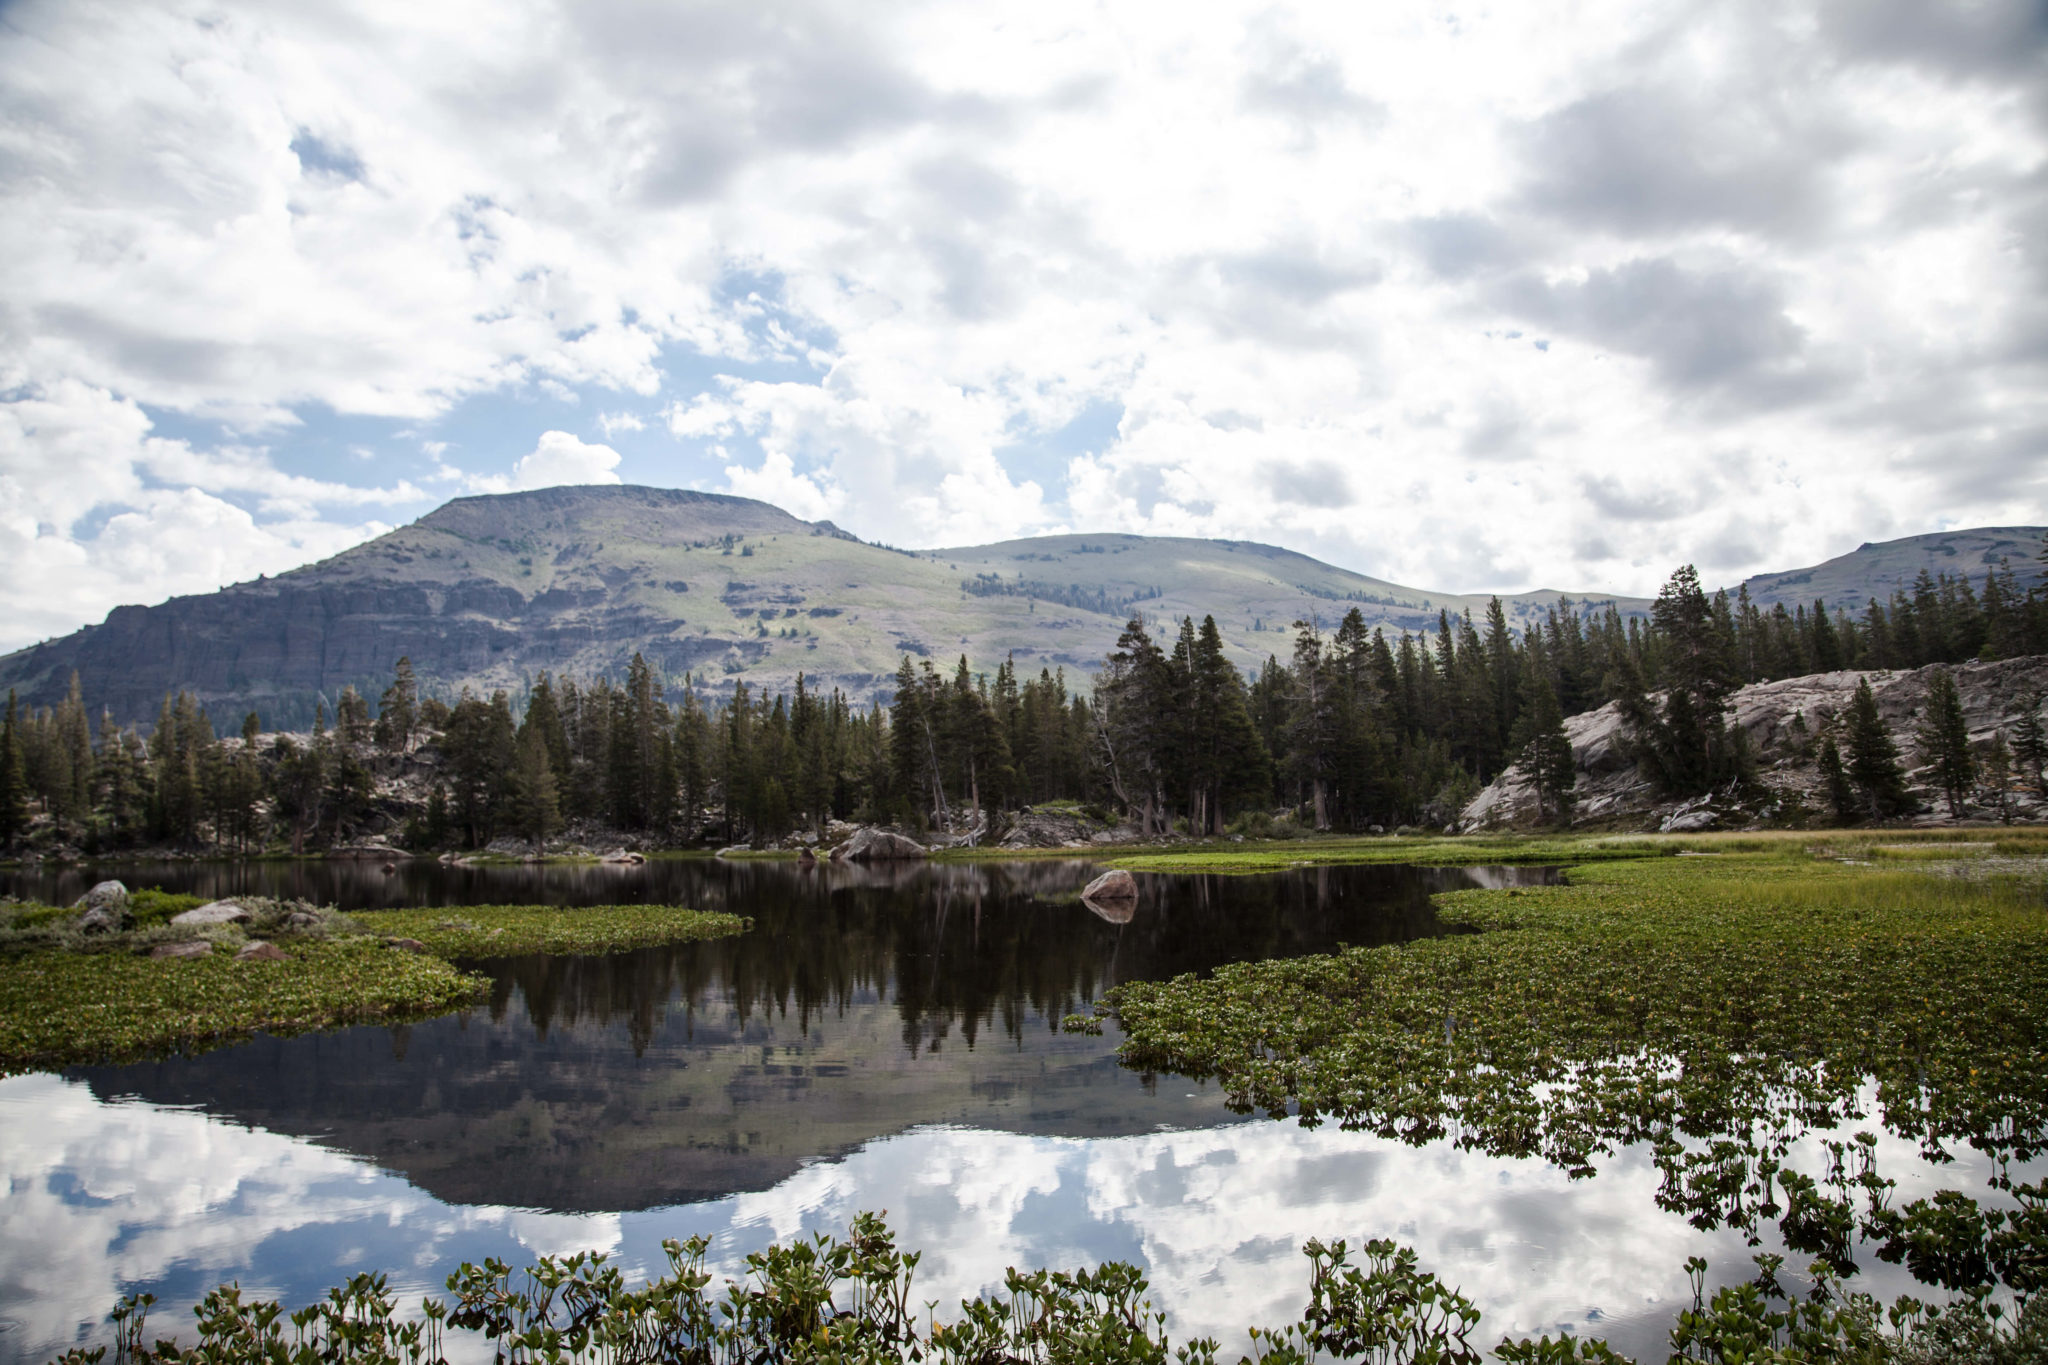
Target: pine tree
[(1227, 763), (437, 823), (536, 811), (1873, 756), (1841, 795), (1688, 744), (2030, 741), (13, 775), (301, 782), (398, 714), (1944, 741), (1997, 772), (1547, 753)]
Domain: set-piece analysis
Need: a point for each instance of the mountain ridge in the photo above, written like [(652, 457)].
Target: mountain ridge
[(485, 591)]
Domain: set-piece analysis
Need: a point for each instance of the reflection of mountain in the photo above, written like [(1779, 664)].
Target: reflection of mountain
[(859, 1006)]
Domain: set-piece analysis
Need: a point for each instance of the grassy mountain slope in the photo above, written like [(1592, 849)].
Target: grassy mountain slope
[(486, 591), (1879, 570)]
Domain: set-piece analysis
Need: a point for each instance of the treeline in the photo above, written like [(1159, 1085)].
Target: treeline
[(1351, 730)]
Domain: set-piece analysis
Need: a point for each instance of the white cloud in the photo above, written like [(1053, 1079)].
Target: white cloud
[(1481, 262), (559, 458), (96, 512)]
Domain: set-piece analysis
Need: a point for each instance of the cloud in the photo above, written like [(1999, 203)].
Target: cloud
[(1637, 160), (1485, 264), (96, 512), (1701, 327), (106, 1197), (560, 458)]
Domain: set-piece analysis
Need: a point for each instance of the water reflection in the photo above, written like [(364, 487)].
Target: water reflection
[(882, 1039), (865, 1001), (109, 1197)]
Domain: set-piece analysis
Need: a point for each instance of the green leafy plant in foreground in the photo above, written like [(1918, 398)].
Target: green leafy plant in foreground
[(824, 1299), (1716, 1011)]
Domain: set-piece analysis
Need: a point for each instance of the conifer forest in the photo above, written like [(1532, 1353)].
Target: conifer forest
[(1349, 731)]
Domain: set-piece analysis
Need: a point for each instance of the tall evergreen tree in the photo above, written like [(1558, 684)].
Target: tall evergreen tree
[(2030, 742), (1944, 741), (14, 815), (1835, 781), (1546, 751), (536, 811), (1873, 759), (1997, 773), (398, 711)]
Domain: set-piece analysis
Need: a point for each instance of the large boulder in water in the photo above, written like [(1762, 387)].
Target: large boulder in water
[(1113, 885), (213, 912), (105, 909), (877, 846), (1113, 896)]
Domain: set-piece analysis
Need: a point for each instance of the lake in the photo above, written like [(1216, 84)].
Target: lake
[(885, 1038)]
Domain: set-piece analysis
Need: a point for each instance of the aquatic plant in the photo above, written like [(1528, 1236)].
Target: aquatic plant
[(1716, 1011), (67, 997), (827, 1300)]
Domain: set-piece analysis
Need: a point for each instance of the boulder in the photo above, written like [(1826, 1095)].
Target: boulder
[(301, 920), (411, 945), (871, 845), (214, 912), (196, 948), (1056, 827), (1113, 885), (1688, 821), (105, 909), (259, 951), (620, 855), (367, 849)]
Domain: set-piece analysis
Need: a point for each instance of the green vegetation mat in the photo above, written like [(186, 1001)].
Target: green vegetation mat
[(62, 1009), (68, 999), (504, 930), (1716, 1009)]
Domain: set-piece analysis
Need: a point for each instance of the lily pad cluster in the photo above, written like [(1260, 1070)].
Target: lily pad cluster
[(1716, 1011)]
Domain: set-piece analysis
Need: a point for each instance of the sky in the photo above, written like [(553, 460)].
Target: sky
[(1468, 298)]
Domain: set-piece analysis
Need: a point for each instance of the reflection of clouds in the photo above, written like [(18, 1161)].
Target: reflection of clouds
[(1218, 1216), (108, 1197)]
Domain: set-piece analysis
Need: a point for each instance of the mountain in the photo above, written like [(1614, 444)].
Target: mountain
[(1879, 570), (486, 591)]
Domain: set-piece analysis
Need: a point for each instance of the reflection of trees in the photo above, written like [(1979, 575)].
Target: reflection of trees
[(966, 947), (963, 949)]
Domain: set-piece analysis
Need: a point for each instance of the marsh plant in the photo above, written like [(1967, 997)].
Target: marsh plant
[(70, 996), (1718, 1012), (825, 1299)]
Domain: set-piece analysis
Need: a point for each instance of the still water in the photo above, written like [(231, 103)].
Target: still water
[(884, 1038)]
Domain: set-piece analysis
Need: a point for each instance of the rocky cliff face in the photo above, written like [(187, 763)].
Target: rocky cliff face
[(1784, 721)]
